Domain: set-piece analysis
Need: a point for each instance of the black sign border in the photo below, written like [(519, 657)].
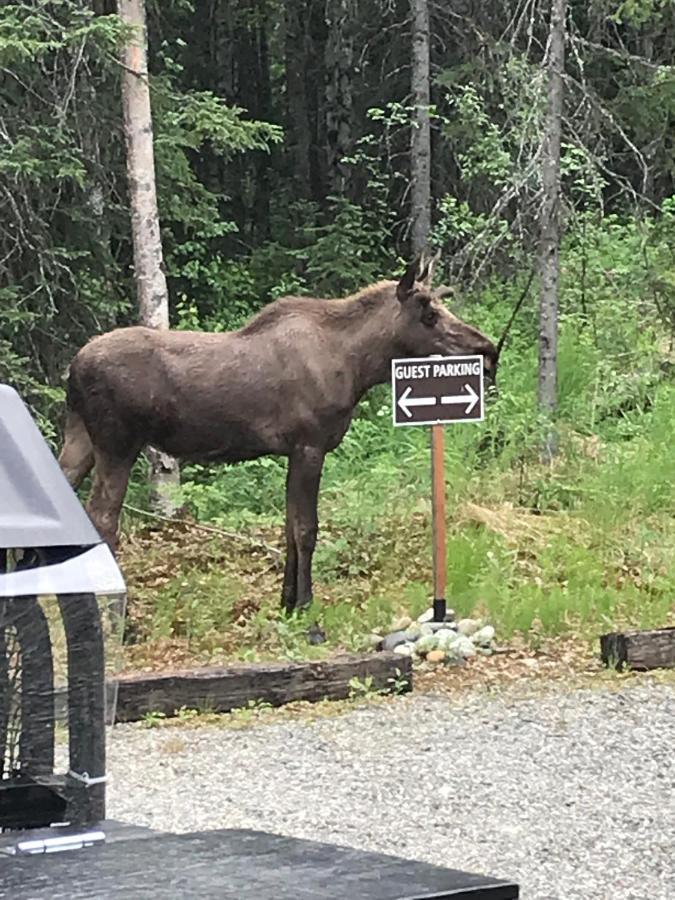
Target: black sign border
[(424, 359)]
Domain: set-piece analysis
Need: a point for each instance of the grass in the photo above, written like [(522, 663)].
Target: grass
[(571, 549), (581, 547)]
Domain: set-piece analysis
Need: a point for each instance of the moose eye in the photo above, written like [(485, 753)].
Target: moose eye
[(429, 317)]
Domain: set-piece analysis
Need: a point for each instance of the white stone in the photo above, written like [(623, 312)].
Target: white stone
[(468, 627), (446, 638), (484, 636), (414, 631), (405, 649), (427, 616), (401, 624), (426, 643), (463, 647)]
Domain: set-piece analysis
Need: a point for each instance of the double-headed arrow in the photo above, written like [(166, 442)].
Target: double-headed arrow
[(406, 402)]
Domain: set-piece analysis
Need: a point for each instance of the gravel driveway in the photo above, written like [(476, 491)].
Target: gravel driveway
[(571, 794)]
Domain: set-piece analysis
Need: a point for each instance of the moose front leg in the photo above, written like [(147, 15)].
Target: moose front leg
[(302, 524), (107, 495)]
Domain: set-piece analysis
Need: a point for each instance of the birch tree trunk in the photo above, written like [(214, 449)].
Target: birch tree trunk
[(153, 298), (549, 250), (420, 148)]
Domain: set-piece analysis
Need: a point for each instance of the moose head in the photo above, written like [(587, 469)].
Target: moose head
[(427, 327)]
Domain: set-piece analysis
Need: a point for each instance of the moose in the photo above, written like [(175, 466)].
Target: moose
[(285, 384)]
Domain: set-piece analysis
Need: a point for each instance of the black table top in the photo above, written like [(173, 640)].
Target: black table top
[(246, 865)]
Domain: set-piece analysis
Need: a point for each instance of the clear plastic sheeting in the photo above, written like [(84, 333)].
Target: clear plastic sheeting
[(111, 611), (59, 657), (92, 570)]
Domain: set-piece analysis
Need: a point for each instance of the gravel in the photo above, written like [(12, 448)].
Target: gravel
[(572, 794)]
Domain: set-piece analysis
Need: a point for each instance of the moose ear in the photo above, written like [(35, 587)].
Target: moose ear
[(445, 290), (406, 283)]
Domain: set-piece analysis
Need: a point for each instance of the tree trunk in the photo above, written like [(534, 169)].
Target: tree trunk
[(420, 148), (340, 19), (549, 250), (153, 298), (299, 135), (263, 180)]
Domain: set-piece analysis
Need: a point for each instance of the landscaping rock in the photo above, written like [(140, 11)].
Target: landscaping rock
[(468, 627), (391, 641), (448, 641), (401, 624), (446, 638), (426, 643), (463, 647), (484, 636), (440, 626)]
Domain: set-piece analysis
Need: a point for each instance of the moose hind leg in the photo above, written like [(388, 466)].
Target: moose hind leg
[(107, 494), (304, 477), (291, 566), (77, 455)]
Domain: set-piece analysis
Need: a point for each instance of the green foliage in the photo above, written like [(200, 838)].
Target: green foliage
[(35, 30), (197, 605), (55, 286), (640, 12), (345, 254), (65, 251), (153, 719), (245, 220), (482, 145), (608, 560), (584, 545)]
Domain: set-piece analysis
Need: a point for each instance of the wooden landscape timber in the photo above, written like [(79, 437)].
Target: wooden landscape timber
[(227, 688), (639, 650)]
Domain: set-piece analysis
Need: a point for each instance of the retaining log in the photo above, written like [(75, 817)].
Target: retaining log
[(224, 689), (639, 650)]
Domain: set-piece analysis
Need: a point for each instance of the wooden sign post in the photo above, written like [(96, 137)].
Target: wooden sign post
[(438, 519), (433, 391)]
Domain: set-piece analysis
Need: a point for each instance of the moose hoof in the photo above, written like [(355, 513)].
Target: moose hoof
[(316, 634)]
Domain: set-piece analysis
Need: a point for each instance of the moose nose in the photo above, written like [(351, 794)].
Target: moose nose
[(490, 357)]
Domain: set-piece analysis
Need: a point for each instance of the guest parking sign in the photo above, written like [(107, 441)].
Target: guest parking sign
[(437, 390)]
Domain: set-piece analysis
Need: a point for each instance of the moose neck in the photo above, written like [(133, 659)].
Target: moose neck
[(368, 322)]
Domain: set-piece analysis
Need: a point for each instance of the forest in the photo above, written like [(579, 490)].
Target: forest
[(300, 148)]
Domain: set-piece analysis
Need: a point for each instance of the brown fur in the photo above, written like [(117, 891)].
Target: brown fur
[(285, 384)]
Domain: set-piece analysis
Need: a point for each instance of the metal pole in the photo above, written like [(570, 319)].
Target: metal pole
[(86, 708), (438, 520)]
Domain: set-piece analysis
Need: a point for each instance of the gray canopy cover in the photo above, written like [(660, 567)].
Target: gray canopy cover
[(39, 509)]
